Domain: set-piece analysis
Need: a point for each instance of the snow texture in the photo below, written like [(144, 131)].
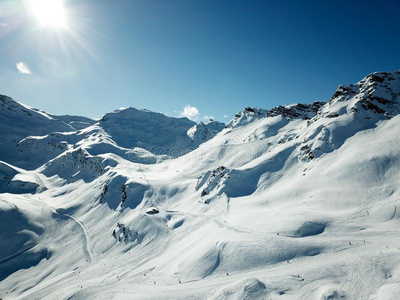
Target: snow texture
[(295, 202)]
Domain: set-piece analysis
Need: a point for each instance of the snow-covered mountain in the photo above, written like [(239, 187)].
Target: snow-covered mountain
[(203, 132), (295, 202)]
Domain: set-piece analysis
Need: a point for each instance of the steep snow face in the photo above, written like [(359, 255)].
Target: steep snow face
[(155, 132), (377, 94), (294, 111), (25, 120), (203, 132), (22, 127), (76, 122), (31, 138), (295, 202), (353, 108), (18, 121), (246, 116)]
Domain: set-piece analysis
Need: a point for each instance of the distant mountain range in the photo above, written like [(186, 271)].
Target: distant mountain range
[(295, 202)]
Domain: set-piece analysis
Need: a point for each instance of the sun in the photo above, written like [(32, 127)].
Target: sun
[(49, 12)]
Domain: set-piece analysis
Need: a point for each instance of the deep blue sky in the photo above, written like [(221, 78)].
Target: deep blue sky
[(218, 56)]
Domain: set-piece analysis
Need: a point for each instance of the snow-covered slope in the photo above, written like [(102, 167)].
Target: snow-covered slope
[(203, 132), (155, 132), (18, 121), (33, 138), (295, 202), (77, 122), (22, 126)]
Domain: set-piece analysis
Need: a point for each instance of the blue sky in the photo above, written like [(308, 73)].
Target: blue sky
[(216, 56)]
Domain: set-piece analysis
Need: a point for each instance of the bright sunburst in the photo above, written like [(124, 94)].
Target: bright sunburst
[(49, 12)]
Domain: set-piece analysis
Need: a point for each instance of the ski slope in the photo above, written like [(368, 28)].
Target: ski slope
[(296, 202)]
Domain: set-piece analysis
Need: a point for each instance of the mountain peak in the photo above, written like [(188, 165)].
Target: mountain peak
[(279, 189), (377, 93), (203, 132)]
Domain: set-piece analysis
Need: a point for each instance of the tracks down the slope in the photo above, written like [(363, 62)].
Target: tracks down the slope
[(84, 230), (59, 212)]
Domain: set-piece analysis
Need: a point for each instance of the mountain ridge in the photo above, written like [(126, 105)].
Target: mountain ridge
[(295, 202)]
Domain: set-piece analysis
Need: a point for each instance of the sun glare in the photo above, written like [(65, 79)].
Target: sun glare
[(49, 12)]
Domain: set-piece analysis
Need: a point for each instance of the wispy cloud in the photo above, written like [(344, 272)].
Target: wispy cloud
[(4, 26), (208, 118), (23, 68), (190, 112), (226, 116)]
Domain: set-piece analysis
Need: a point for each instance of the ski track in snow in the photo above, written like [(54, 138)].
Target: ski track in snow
[(15, 255), (87, 246), (295, 202), (87, 240)]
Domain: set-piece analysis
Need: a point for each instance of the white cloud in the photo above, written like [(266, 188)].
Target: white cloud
[(4, 25), (190, 112), (226, 116), (208, 118), (23, 68)]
